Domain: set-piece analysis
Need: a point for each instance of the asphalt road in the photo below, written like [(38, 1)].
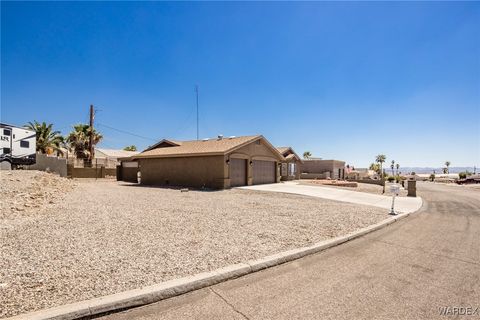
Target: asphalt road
[(408, 270)]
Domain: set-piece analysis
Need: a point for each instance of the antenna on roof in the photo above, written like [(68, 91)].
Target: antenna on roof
[(196, 91)]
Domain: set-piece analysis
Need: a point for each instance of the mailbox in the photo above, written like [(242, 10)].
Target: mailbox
[(395, 189)]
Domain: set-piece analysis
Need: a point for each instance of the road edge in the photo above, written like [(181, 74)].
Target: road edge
[(176, 287)]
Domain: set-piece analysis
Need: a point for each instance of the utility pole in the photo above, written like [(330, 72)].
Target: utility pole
[(196, 91), (92, 150)]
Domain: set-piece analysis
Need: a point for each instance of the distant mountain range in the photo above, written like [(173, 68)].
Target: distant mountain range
[(431, 169)]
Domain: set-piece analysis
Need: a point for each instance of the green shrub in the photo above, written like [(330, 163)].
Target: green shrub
[(391, 178), (463, 175)]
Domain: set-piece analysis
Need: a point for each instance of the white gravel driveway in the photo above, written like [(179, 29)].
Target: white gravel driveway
[(105, 237)]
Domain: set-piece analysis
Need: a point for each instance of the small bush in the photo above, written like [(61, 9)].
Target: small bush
[(391, 178)]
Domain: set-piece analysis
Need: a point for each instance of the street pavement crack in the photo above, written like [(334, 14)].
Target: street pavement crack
[(231, 305), (427, 252)]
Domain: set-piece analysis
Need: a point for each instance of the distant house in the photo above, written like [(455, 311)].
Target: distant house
[(113, 154), (473, 179), (290, 166), (216, 163), (110, 158), (334, 169), (361, 174)]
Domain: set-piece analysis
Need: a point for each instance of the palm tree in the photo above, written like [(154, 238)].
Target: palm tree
[(392, 166), (46, 138), (130, 148), (307, 155), (380, 159), (447, 164), (375, 167), (398, 167), (79, 140)]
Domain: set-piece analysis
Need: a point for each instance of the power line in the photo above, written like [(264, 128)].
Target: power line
[(126, 132), (196, 91), (185, 125)]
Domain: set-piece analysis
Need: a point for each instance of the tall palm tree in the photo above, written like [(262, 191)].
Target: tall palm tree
[(307, 155), (46, 138), (392, 166), (79, 140), (380, 159), (398, 167), (447, 164)]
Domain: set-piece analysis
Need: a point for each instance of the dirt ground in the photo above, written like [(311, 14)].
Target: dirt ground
[(23, 192), (64, 241)]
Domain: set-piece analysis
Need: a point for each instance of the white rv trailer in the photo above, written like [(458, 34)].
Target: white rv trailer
[(17, 145)]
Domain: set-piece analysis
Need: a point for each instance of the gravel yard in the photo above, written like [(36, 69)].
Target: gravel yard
[(23, 193), (102, 237)]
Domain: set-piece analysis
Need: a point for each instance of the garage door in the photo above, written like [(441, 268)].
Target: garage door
[(263, 172), (238, 172)]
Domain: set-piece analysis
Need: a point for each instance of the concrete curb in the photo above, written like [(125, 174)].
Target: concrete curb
[(175, 287)]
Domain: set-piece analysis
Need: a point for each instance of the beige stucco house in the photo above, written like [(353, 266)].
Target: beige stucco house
[(290, 169), (218, 163), (334, 169)]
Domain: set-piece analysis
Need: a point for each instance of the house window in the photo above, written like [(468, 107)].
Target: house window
[(6, 132), (7, 150), (292, 168), (24, 144)]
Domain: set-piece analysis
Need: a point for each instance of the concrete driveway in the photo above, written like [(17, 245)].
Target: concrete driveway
[(412, 269), (402, 204)]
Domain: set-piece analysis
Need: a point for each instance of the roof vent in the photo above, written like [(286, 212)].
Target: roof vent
[(205, 139), (231, 137), (220, 136)]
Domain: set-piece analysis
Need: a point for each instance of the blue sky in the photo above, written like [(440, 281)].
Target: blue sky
[(344, 80)]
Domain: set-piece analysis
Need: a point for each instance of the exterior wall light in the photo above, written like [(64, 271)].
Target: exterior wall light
[(251, 162), (228, 161)]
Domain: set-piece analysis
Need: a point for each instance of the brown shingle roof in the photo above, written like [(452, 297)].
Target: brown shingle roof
[(291, 155), (199, 147), (282, 150)]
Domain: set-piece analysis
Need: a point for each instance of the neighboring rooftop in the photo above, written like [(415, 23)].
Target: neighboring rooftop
[(113, 153), (288, 153), (282, 150), (214, 146)]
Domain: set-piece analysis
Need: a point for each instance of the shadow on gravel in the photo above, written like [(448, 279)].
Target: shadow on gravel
[(168, 187)]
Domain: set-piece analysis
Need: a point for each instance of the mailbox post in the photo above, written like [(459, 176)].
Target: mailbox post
[(394, 189)]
